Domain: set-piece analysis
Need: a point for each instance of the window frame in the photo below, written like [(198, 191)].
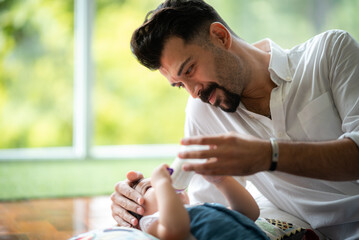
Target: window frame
[(83, 116)]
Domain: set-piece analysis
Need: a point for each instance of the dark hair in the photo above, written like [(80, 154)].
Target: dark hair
[(187, 19)]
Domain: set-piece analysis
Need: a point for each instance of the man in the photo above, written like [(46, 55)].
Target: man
[(286, 119)]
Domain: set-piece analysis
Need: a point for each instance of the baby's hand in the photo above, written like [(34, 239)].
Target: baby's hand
[(160, 173)]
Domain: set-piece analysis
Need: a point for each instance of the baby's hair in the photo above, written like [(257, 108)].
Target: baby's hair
[(134, 185), (136, 215)]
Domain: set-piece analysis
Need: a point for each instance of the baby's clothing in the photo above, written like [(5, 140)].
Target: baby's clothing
[(215, 221)]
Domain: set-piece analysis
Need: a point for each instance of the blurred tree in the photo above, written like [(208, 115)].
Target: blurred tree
[(36, 40), (132, 104)]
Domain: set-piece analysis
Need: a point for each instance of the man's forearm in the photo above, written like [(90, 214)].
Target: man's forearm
[(336, 160)]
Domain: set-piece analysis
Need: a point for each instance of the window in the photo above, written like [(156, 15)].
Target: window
[(70, 87), (36, 72), (127, 95)]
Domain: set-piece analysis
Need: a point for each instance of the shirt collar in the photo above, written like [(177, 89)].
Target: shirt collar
[(278, 65)]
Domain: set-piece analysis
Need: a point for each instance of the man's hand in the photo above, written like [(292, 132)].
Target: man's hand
[(229, 154), (126, 198)]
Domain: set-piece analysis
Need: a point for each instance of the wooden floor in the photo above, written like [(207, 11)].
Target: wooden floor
[(53, 219)]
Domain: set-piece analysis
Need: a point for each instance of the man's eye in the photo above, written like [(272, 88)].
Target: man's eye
[(189, 70), (180, 85)]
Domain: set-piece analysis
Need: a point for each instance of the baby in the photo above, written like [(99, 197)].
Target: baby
[(168, 216)]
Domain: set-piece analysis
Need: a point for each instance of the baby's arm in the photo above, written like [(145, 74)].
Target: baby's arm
[(238, 197), (174, 221)]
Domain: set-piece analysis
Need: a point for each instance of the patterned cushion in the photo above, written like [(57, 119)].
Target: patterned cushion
[(278, 230)]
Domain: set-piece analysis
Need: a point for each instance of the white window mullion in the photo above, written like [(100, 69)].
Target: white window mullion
[(83, 78)]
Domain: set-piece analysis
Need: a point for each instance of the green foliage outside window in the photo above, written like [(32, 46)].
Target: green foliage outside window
[(36, 72), (132, 105)]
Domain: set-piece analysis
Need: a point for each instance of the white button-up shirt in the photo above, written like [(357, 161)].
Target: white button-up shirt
[(316, 99)]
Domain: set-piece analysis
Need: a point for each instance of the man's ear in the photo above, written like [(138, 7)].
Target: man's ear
[(219, 34)]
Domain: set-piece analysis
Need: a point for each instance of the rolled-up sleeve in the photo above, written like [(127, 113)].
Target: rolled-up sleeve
[(344, 77)]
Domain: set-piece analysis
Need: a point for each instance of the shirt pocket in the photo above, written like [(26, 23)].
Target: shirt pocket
[(320, 119)]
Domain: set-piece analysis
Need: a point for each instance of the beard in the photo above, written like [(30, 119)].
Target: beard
[(231, 73), (229, 102)]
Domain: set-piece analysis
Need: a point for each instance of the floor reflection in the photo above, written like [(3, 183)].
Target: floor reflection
[(94, 213), (54, 218)]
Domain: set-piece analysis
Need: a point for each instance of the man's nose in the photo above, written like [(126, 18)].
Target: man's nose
[(193, 89)]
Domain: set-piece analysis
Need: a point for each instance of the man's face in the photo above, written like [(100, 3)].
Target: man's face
[(210, 73)]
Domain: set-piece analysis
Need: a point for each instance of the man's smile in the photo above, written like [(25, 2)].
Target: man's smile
[(208, 93), (212, 97)]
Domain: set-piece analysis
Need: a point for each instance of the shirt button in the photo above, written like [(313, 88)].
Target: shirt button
[(288, 78), (251, 116)]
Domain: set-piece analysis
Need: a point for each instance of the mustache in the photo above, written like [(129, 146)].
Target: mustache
[(231, 100), (206, 93)]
